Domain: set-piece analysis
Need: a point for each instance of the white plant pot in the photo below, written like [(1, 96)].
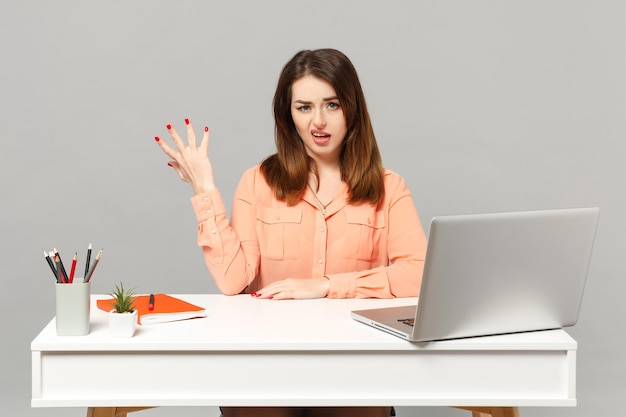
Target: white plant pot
[(122, 324)]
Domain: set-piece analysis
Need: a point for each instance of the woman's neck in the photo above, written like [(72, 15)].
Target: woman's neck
[(327, 182)]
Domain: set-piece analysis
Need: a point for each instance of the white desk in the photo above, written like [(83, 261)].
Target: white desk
[(295, 353)]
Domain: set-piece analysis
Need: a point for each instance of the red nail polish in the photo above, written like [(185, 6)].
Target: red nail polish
[(186, 121), (157, 138), (271, 297), (169, 164), (168, 126), (253, 294), (206, 128)]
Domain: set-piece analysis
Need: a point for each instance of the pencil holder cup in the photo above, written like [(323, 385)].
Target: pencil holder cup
[(72, 308)]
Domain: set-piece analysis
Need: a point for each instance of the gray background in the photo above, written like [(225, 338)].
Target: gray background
[(480, 105)]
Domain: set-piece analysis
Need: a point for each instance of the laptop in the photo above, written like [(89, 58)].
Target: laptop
[(498, 273)]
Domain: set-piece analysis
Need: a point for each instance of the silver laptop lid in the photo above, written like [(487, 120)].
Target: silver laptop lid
[(504, 272)]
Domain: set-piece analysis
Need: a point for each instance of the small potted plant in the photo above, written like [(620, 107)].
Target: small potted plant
[(123, 316)]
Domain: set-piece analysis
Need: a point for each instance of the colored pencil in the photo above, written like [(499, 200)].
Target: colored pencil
[(57, 260), (73, 268), (88, 260), (65, 277), (52, 267), (93, 267)]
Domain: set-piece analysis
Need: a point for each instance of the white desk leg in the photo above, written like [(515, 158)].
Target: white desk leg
[(112, 411)]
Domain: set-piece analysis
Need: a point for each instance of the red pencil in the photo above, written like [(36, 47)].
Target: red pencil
[(74, 259)]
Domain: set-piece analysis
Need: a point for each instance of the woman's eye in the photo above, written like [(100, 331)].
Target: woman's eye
[(304, 107), (333, 106)]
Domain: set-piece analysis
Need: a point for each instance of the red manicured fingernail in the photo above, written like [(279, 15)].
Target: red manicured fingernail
[(169, 164), (271, 297), (253, 294), (186, 121), (206, 128), (157, 138), (168, 126)]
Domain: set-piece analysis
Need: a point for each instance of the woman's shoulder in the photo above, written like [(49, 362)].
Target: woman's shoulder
[(392, 177), (395, 186), (253, 181), (253, 171)]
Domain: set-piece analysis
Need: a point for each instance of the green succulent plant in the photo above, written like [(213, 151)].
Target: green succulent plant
[(123, 299)]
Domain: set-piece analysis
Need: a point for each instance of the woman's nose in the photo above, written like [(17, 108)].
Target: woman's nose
[(319, 120)]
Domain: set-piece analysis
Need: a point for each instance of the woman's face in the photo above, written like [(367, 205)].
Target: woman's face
[(318, 117)]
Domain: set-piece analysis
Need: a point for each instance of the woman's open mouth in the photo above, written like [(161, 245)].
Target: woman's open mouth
[(320, 137)]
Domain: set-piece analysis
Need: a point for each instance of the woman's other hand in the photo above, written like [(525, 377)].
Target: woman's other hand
[(296, 288), (190, 161)]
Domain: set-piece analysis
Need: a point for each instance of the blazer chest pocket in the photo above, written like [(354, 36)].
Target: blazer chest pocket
[(364, 230), (278, 229)]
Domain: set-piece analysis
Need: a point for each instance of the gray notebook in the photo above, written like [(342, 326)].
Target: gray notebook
[(487, 274)]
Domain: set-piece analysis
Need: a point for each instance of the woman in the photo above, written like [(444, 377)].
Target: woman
[(319, 218)]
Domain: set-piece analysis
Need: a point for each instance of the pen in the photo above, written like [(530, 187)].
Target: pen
[(49, 260), (151, 303), (93, 267), (88, 260), (64, 276), (73, 268)]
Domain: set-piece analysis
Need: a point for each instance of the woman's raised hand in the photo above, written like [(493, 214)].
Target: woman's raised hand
[(190, 161)]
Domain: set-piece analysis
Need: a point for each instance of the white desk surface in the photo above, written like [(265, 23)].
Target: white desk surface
[(249, 351)]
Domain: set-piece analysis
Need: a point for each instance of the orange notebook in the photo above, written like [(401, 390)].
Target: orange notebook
[(166, 308)]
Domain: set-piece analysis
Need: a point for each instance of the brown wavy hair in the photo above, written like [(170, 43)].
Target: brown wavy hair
[(287, 171)]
